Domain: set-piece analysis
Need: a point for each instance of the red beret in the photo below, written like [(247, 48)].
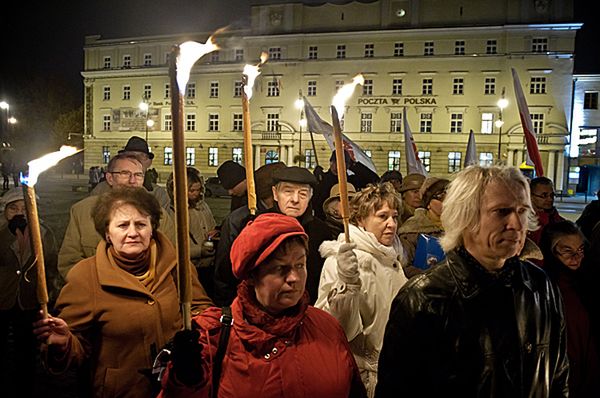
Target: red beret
[(259, 239)]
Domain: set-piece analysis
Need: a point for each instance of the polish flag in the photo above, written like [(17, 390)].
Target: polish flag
[(413, 163)]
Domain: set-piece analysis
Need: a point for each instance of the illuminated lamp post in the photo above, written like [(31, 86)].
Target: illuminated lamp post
[(502, 104)]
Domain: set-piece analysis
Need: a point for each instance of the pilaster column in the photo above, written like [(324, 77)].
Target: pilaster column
[(256, 156), (550, 171)]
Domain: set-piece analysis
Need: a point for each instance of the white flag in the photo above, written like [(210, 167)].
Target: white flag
[(413, 163), (471, 155), (319, 126)]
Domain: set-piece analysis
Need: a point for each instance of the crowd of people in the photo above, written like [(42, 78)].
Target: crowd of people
[(467, 286)]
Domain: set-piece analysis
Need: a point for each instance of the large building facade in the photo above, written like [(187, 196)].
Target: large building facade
[(447, 64)]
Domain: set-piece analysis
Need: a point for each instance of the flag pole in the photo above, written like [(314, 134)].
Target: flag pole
[(341, 172)]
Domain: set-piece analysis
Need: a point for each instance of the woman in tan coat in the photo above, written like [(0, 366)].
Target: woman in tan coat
[(120, 306)]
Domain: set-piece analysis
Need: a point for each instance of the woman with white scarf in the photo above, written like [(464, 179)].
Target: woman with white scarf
[(360, 279)]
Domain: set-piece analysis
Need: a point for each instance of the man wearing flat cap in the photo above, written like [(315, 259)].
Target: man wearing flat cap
[(138, 147), (361, 177), (292, 192), (233, 178), (411, 195)]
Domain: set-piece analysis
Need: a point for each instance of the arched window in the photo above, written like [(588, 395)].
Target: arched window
[(271, 157)]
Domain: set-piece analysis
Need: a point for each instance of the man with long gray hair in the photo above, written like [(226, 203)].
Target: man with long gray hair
[(482, 323)]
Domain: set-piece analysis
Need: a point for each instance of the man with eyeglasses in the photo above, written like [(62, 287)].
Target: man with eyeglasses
[(542, 199), (81, 238)]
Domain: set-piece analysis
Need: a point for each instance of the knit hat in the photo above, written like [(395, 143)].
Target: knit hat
[(12, 195), (137, 144), (334, 193), (412, 181), (295, 174), (431, 187), (231, 173), (264, 180), (259, 239)]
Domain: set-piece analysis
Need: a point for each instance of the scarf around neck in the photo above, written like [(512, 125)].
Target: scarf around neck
[(143, 267)]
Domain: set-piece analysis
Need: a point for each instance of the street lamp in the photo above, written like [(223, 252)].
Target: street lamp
[(299, 104), (145, 107), (502, 103)]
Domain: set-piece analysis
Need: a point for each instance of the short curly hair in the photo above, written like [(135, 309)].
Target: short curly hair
[(371, 198), (137, 197)]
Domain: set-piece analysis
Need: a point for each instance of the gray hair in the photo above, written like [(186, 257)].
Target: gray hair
[(462, 205)]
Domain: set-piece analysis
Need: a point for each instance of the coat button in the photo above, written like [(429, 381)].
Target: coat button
[(151, 302), (267, 356), (274, 350), (18, 272)]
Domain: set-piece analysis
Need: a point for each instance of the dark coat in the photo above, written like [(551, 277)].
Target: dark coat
[(460, 331), (589, 218)]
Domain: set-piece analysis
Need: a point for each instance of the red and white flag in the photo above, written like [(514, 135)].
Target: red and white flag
[(530, 137), (413, 163)]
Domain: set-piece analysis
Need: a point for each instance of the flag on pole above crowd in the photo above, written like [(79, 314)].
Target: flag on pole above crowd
[(471, 155), (318, 126), (413, 163), (530, 138)]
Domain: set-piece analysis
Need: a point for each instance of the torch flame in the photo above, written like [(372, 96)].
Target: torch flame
[(252, 72), (189, 53), (39, 165), (339, 100)]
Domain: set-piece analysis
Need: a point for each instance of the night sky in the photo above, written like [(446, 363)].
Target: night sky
[(48, 37)]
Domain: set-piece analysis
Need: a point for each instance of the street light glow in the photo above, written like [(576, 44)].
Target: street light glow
[(150, 123), (143, 106), (502, 103), (299, 103), (12, 120), (499, 123), (303, 123), (4, 105)]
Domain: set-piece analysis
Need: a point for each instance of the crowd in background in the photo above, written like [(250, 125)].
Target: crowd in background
[(427, 286)]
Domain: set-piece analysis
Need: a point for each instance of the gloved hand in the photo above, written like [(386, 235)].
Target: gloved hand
[(187, 357), (347, 264)]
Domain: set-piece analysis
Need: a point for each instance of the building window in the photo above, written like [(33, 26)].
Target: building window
[(213, 156), (106, 93), (458, 86), (271, 156), (147, 59), (395, 122), (489, 87), (487, 123), (397, 87), (238, 122), (338, 84), (190, 156), (126, 61), (190, 122), (428, 48), (191, 90), (147, 91), (539, 44), (537, 85), (105, 154), (454, 161), (106, 123), (537, 119), (340, 51), (368, 87), (398, 49), (309, 159), (590, 100), (491, 47), (107, 62), (459, 47), (273, 88), (238, 54), (274, 53), (272, 121), (425, 157), (214, 90), (168, 122), (167, 90), (237, 88), (236, 155), (486, 159), (394, 160), (369, 50), (312, 52), (168, 156), (456, 123), (126, 93), (213, 122), (312, 88), (425, 126), (427, 87), (366, 122), (215, 56)]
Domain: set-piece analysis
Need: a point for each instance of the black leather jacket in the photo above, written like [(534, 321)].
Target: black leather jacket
[(458, 330)]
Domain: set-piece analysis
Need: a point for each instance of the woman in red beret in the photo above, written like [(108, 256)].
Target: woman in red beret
[(278, 345)]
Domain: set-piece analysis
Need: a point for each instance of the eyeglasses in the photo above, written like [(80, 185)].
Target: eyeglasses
[(127, 174), (545, 195), (570, 253)]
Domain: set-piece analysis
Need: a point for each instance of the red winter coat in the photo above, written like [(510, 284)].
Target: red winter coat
[(305, 355)]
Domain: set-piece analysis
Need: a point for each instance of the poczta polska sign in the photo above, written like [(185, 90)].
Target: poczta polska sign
[(397, 101)]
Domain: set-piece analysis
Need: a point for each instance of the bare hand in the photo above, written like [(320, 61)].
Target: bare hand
[(52, 331)]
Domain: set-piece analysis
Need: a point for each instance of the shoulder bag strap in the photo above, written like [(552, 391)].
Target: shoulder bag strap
[(226, 322)]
